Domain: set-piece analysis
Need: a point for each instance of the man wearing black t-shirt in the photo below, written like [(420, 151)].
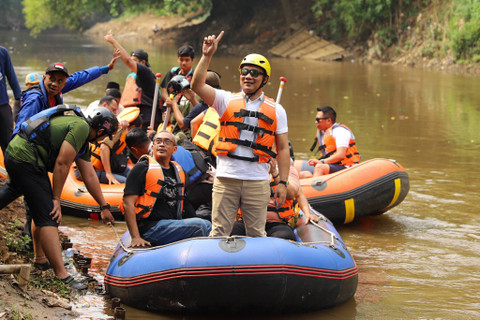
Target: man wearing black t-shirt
[(153, 198), (138, 63)]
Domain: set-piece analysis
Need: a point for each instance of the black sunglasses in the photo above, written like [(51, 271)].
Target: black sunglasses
[(254, 72), (318, 119)]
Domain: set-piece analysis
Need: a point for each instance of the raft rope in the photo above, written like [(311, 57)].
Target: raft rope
[(333, 237), (133, 250)]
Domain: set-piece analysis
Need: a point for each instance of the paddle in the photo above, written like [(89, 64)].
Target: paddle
[(155, 100), (283, 80), (167, 116)]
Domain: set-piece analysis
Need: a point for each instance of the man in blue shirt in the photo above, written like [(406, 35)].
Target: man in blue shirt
[(48, 93), (6, 120)]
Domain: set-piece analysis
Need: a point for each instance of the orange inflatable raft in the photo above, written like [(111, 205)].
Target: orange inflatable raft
[(76, 200), (369, 188)]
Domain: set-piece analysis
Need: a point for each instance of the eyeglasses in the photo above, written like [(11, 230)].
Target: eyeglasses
[(318, 119), (254, 72), (166, 142)]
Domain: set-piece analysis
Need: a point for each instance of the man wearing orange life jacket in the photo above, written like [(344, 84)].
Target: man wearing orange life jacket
[(250, 124), (336, 142), (153, 198)]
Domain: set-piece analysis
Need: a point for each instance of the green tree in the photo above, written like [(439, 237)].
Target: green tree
[(11, 14), (359, 19), (464, 30), (80, 14)]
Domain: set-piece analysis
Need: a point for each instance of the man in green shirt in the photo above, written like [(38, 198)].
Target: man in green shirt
[(28, 165)]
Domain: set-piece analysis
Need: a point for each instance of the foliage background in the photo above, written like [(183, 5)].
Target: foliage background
[(380, 29)]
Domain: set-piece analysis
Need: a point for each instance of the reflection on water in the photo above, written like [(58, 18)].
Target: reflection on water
[(419, 260)]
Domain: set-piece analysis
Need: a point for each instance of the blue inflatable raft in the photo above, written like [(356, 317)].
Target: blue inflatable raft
[(236, 274)]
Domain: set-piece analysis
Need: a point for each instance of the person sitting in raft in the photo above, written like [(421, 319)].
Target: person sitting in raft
[(153, 198), (138, 143), (336, 143), (110, 158), (113, 92), (281, 221)]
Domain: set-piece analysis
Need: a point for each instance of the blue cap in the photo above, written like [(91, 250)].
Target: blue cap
[(33, 78)]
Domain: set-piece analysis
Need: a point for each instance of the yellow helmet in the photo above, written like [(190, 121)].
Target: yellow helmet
[(258, 60)]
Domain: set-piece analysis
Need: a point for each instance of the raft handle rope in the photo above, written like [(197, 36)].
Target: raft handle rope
[(333, 237), (133, 250)]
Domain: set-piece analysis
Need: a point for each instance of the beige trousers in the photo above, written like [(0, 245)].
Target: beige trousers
[(229, 195)]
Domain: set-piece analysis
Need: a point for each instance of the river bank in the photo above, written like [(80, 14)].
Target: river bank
[(44, 298), (410, 52)]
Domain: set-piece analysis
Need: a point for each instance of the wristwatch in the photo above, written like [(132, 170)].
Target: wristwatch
[(283, 182), (107, 206), (322, 161)]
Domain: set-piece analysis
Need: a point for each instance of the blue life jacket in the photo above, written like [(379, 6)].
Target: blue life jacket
[(36, 129), (193, 164)]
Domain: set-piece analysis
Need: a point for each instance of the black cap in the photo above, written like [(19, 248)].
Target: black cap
[(57, 66), (141, 55)]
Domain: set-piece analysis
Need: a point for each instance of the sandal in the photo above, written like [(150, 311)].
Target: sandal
[(75, 284), (42, 266)]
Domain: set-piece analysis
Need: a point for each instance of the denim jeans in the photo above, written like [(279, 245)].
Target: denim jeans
[(121, 177), (169, 230)]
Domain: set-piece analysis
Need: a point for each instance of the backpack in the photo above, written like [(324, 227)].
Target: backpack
[(36, 129), (193, 163)]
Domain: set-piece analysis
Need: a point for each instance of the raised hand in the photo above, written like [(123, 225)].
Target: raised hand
[(210, 44)]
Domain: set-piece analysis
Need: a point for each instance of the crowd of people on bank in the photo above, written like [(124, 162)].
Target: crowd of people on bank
[(214, 163)]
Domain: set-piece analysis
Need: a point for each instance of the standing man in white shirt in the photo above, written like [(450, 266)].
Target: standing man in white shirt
[(250, 124)]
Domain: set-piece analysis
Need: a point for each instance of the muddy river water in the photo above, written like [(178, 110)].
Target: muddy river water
[(419, 260)]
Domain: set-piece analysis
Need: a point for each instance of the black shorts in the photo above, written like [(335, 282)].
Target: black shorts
[(34, 184), (335, 167)]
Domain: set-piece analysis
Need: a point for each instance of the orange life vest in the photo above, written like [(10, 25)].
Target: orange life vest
[(329, 147), (286, 211), (132, 94), (153, 184), (118, 149), (207, 135), (232, 123)]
